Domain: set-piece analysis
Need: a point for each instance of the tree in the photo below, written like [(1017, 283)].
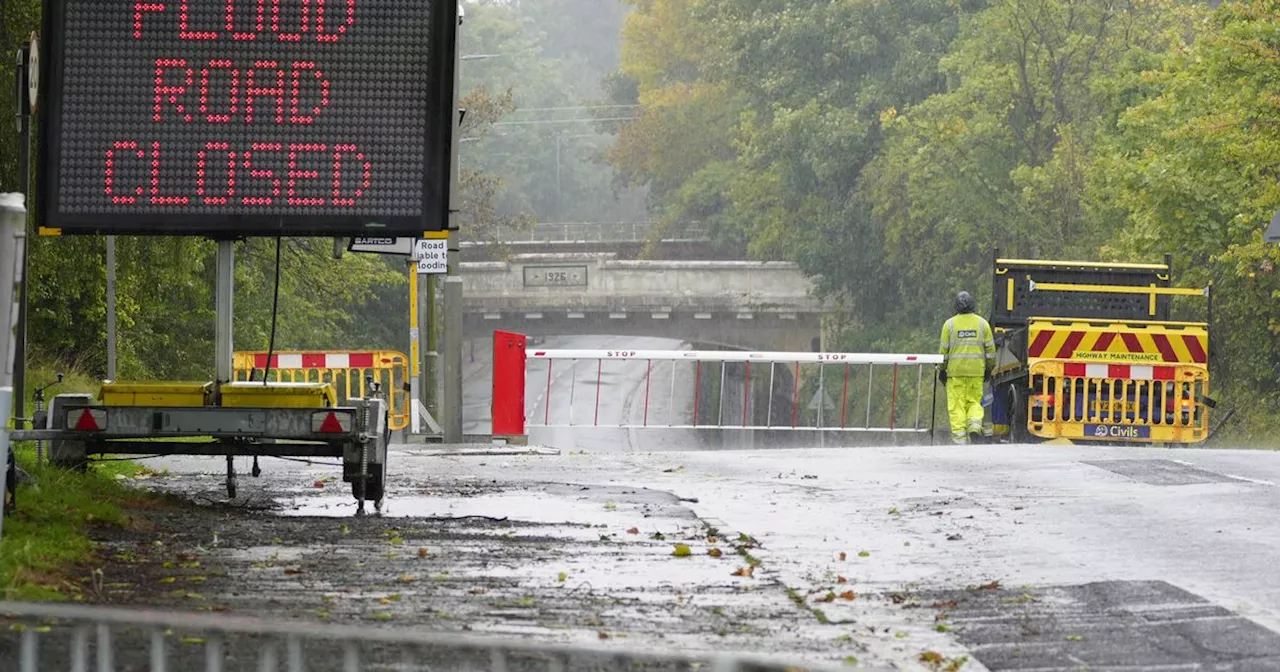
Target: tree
[(1194, 170)]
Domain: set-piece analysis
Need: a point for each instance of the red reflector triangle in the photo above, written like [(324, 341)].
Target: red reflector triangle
[(86, 421), (331, 424)]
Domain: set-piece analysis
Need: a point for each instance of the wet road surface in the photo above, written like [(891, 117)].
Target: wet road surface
[(988, 557)]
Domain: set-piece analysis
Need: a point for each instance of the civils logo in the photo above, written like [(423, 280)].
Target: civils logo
[(1116, 432)]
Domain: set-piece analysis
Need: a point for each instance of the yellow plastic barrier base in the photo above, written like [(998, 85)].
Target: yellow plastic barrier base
[(163, 394), (277, 395), (1075, 432)]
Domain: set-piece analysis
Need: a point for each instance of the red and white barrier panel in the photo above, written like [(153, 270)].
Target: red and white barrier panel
[(317, 360), (695, 389)]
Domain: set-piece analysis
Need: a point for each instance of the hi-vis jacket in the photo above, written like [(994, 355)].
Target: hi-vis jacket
[(967, 345)]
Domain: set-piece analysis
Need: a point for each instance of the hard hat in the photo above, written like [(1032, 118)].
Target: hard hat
[(964, 302)]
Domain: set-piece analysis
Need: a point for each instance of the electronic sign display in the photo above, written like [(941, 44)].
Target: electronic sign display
[(247, 117)]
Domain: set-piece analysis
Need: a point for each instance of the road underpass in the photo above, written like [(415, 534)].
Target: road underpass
[(742, 304)]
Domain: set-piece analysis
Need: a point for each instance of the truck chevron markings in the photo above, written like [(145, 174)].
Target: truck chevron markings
[(1100, 345)]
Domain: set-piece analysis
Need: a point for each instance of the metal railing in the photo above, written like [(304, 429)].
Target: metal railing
[(80, 638), (592, 232), (691, 389)]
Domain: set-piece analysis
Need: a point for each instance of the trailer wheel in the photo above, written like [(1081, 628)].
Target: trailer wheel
[(1018, 432)]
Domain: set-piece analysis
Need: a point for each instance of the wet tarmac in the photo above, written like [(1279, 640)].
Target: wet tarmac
[(995, 557)]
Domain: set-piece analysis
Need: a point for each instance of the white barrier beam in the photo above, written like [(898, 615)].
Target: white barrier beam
[(739, 356)]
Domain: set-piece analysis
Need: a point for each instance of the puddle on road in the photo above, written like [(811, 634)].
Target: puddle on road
[(522, 507)]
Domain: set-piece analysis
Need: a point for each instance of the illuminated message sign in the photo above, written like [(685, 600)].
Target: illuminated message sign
[(247, 117)]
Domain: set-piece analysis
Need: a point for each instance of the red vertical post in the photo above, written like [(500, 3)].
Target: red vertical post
[(648, 370), (697, 383), (844, 396), (507, 406), (599, 367), (893, 397), (795, 397), (546, 408)]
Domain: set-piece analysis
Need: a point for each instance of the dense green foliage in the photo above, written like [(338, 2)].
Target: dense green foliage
[(519, 61), (888, 146)]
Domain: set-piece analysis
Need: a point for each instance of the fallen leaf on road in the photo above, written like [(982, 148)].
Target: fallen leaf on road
[(291, 571), (682, 551), (931, 658), (169, 579), (422, 552), (864, 554), (829, 597), (562, 577), (344, 529), (1074, 638), (657, 536), (749, 570), (602, 635), (841, 579), (843, 555), (407, 578), (944, 604), (318, 484), (634, 530), (847, 595), (714, 552), (994, 585)]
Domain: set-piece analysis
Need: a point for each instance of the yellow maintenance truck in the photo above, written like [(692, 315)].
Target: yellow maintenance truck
[(1086, 351)]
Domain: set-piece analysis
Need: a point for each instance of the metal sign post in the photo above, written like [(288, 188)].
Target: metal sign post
[(13, 238)]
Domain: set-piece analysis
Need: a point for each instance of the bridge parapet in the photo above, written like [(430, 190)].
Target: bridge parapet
[(582, 281)]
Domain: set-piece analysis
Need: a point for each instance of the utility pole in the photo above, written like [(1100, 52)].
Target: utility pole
[(451, 411)]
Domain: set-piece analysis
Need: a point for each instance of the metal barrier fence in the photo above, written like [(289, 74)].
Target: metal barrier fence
[(345, 370), (691, 389), (80, 638)]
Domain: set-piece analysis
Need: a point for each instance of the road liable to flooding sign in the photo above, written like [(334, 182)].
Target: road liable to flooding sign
[(247, 117)]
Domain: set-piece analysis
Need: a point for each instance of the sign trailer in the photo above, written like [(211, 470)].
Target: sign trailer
[(231, 119)]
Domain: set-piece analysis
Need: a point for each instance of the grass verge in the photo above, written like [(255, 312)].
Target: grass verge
[(46, 546), (46, 542)]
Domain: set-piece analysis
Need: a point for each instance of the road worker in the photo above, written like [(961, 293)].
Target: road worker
[(968, 352)]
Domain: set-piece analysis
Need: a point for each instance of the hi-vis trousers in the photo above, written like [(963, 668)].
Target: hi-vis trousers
[(964, 406)]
